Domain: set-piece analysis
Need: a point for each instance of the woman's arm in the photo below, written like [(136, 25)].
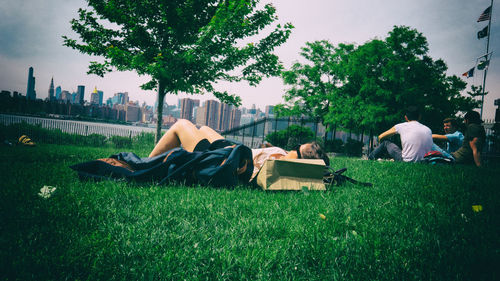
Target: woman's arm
[(475, 151)]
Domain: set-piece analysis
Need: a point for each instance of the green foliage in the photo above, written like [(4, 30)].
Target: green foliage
[(184, 46), (41, 135), (415, 223), (314, 84), (353, 147), (369, 86), (290, 137), (335, 145), (120, 142)]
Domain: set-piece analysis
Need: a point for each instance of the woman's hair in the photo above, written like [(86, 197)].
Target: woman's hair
[(315, 151), (473, 117)]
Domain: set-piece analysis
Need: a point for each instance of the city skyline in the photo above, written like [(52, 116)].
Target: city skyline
[(450, 27)]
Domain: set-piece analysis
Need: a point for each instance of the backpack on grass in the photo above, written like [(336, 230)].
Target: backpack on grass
[(435, 157)]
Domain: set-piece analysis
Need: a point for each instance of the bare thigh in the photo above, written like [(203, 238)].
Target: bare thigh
[(210, 134), (184, 133), (189, 136)]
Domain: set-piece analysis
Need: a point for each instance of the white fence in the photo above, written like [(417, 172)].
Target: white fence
[(77, 127)]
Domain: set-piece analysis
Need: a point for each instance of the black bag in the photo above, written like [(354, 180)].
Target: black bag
[(337, 178)]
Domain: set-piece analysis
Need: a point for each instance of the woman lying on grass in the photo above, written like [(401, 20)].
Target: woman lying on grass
[(190, 155), (186, 134)]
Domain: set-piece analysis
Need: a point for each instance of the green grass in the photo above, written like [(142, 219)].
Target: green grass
[(415, 223)]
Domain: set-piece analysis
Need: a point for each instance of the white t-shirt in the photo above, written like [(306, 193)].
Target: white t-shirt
[(260, 155), (416, 140)]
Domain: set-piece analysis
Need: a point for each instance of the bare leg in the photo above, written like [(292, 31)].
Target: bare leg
[(182, 132), (210, 134)]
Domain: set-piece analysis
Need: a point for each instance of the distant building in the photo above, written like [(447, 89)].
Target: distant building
[(101, 96), (30, 91), (187, 107), (234, 119), (51, 90), (80, 94), (252, 110), (169, 120), (269, 113), (58, 93), (201, 116), (74, 97), (65, 96), (497, 111), (223, 115), (118, 98), (94, 97), (133, 113)]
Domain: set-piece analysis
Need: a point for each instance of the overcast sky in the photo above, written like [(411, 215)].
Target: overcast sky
[(31, 30)]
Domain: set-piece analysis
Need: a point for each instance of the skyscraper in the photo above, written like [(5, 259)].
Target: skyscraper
[(58, 92), (269, 111), (51, 90), (119, 98), (80, 94), (212, 113), (30, 91), (208, 114), (234, 119), (223, 115), (101, 96), (187, 106), (94, 97)]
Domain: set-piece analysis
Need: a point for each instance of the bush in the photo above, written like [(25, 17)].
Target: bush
[(95, 140), (336, 145), (55, 136), (290, 137), (353, 147), (120, 142), (144, 140)]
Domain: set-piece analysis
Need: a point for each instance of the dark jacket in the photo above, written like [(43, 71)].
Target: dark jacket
[(214, 167)]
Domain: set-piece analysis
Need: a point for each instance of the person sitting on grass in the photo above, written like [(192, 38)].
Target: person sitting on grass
[(416, 139), (475, 136), (186, 135), (453, 138)]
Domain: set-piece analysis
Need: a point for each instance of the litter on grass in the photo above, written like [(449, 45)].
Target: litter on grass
[(46, 191), (477, 208)]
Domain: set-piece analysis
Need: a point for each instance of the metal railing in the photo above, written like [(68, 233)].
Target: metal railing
[(76, 127), (254, 133)]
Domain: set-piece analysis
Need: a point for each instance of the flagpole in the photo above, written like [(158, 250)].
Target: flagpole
[(487, 51)]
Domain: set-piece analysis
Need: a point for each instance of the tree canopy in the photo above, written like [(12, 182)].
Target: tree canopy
[(374, 83), (183, 45)]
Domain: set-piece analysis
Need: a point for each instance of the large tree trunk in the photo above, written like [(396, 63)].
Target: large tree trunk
[(159, 110)]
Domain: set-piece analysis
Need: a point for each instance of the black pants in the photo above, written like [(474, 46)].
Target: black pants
[(386, 148)]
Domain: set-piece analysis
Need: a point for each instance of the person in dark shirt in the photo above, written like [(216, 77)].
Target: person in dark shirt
[(475, 136)]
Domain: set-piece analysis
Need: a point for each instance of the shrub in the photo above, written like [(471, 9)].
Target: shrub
[(290, 137), (336, 145), (353, 147), (95, 140), (120, 142)]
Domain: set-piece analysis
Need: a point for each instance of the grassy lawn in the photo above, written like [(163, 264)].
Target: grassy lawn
[(415, 223)]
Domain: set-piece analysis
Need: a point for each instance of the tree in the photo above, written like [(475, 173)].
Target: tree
[(183, 45), (384, 77), (315, 83)]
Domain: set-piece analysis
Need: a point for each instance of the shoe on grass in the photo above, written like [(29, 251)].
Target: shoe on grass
[(25, 140)]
